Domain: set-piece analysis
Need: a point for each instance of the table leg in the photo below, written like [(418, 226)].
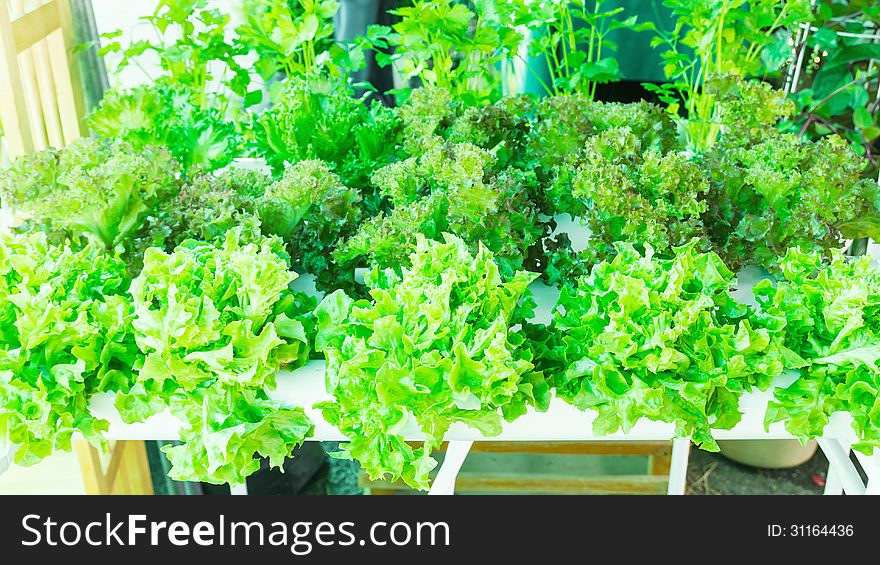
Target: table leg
[(833, 483), (238, 490), (681, 449), (841, 466), (444, 482), (5, 461)]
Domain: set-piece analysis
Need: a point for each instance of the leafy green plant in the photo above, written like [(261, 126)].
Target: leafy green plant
[(641, 197), (716, 38), (315, 120), (103, 190), (782, 191), (206, 208), (216, 322), (199, 138), (312, 211), (194, 106), (826, 315), (449, 189), (573, 39), (65, 335), (191, 45), (564, 125), (838, 85), (286, 39), (451, 45), (642, 337), (433, 346)]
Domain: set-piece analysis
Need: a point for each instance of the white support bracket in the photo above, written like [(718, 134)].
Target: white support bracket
[(444, 482), (238, 490), (871, 466), (681, 450), (833, 481), (6, 459), (841, 468)]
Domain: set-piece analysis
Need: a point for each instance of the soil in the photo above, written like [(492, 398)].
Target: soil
[(712, 473)]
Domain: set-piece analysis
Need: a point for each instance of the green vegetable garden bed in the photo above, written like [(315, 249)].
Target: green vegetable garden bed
[(143, 268)]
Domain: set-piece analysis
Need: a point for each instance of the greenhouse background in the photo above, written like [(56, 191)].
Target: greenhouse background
[(831, 86)]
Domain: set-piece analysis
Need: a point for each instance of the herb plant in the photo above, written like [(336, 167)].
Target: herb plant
[(573, 39), (715, 38), (839, 78)]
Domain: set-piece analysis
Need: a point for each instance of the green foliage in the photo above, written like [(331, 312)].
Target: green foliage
[(642, 337), (433, 346), (837, 90), (313, 120), (826, 314), (65, 335), (311, 211), (193, 106), (745, 109), (206, 208), (216, 323), (573, 39), (100, 189), (449, 189), (191, 44), (502, 128), (288, 40), (455, 46), (162, 114), (641, 197), (715, 38), (782, 191), (563, 126)]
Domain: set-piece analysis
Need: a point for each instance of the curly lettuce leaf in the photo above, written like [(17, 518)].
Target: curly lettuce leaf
[(101, 189), (65, 335), (643, 337), (432, 346), (312, 211), (828, 315), (226, 428), (216, 322)]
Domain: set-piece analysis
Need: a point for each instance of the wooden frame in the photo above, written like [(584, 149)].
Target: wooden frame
[(659, 454), (128, 471), (41, 99)]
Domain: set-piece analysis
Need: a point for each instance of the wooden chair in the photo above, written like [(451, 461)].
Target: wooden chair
[(653, 481), (42, 105)]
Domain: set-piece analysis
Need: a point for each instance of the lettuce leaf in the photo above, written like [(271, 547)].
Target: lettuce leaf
[(216, 322), (101, 189), (433, 346), (642, 337), (65, 335), (828, 314)]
